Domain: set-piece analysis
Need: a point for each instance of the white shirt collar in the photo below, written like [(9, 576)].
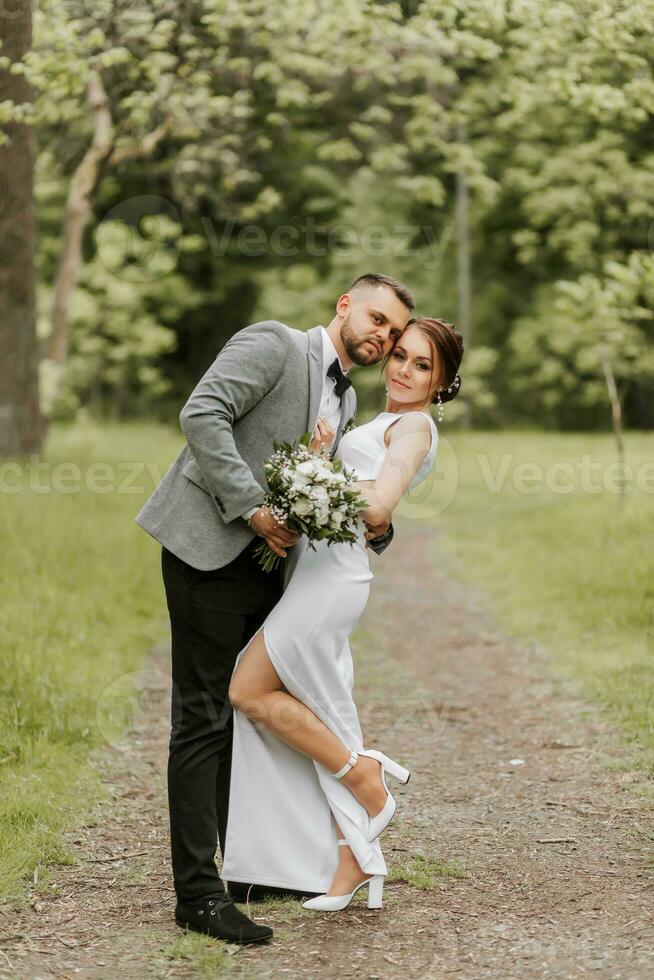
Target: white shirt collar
[(329, 352)]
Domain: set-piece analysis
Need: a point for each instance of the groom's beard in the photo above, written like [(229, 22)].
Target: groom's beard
[(354, 345)]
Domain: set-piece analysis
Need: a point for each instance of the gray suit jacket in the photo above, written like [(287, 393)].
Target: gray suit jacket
[(264, 385)]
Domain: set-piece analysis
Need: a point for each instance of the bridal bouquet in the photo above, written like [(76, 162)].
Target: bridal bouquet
[(313, 494)]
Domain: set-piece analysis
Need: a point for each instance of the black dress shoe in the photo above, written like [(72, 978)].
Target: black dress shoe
[(241, 891), (217, 916)]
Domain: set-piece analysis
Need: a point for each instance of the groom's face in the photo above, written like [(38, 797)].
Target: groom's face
[(373, 319)]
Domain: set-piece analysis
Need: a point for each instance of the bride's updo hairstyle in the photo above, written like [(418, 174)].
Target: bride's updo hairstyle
[(447, 345)]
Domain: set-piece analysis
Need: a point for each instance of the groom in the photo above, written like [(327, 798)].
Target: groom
[(269, 382)]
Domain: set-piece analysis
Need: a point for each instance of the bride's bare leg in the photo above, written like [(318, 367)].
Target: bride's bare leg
[(348, 873), (257, 691)]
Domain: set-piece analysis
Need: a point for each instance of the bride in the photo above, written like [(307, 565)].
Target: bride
[(308, 802)]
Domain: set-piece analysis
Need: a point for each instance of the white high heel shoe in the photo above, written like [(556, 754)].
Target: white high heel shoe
[(334, 903), (381, 820)]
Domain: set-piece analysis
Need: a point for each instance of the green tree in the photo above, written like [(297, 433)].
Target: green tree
[(239, 119), (591, 339), (563, 124)]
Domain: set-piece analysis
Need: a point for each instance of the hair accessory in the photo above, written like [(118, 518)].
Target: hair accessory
[(453, 387), (455, 384)]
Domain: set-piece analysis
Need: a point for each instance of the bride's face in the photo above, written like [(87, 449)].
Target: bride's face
[(411, 371)]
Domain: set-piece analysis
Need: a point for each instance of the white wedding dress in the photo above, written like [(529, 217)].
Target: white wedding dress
[(280, 830)]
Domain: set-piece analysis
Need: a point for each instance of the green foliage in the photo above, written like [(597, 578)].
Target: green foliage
[(563, 123), (251, 101), (118, 322), (559, 352), (572, 96), (310, 142)]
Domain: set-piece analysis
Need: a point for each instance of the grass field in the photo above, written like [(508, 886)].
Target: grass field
[(82, 598), (534, 518), (81, 605)]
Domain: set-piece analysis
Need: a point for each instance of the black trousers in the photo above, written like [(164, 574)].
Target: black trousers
[(212, 616)]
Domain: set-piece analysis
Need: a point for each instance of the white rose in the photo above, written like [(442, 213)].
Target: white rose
[(320, 495), (323, 475), (302, 506), (300, 481)]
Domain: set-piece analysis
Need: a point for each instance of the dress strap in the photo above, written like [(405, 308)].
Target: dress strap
[(401, 415)]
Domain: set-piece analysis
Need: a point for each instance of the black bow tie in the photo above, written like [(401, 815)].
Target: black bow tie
[(342, 383)]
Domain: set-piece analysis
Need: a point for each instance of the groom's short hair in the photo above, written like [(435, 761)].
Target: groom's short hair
[(377, 279)]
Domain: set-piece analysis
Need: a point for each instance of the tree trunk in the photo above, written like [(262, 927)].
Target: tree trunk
[(78, 209), (463, 254), (83, 185), (21, 426), (463, 261), (616, 420)]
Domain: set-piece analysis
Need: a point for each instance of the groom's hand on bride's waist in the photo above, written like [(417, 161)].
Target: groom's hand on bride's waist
[(278, 536)]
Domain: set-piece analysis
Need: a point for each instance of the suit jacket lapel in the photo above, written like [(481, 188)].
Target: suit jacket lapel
[(315, 375)]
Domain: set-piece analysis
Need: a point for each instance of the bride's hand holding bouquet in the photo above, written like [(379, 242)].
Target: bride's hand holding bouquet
[(310, 493)]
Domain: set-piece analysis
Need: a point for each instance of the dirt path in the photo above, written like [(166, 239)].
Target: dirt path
[(516, 784)]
